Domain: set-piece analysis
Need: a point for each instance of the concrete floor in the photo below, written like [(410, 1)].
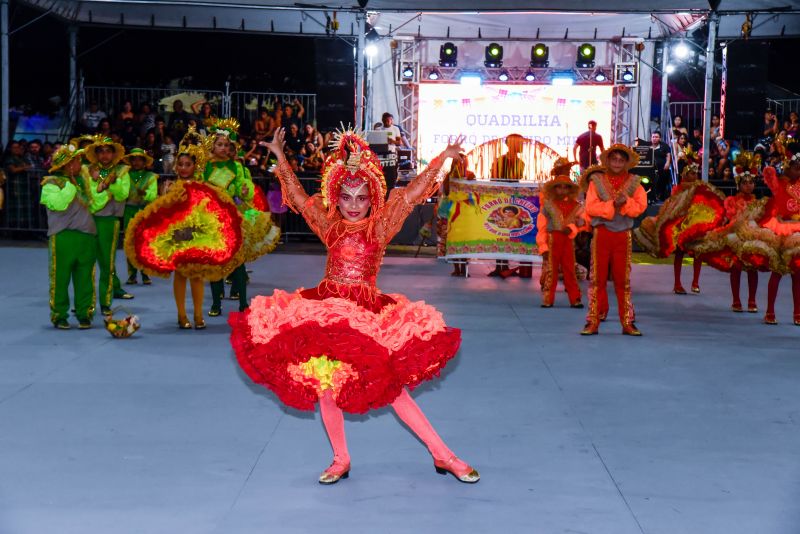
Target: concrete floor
[(691, 429)]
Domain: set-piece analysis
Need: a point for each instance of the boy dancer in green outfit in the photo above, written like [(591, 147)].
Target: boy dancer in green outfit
[(111, 185), (144, 190), (72, 238)]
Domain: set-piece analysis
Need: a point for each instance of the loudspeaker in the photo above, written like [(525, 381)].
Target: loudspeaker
[(745, 90), (335, 72)]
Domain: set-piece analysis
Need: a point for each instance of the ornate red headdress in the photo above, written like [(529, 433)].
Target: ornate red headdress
[(352, 163)]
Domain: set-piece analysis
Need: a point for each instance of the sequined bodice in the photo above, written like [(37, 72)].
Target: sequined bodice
[(352, 257)]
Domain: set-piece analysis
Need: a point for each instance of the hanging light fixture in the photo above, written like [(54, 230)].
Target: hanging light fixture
[(493, 56)]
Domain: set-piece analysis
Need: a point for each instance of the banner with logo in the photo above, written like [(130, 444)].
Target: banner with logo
[(491, 220)]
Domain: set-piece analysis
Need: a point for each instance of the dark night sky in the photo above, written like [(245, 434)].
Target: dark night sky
[(252, 62)]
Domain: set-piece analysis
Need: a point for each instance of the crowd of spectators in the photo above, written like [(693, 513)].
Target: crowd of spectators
[(771, 142), (159, 135)]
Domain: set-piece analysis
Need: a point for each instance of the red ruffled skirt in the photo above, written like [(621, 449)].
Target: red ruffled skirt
[(301, 344)]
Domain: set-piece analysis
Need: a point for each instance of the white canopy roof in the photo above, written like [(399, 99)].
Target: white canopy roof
[(433, 19)]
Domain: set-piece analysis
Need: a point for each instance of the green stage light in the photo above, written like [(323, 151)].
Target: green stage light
[(448, 55), (540, 55), (493, 56), (586, 53)]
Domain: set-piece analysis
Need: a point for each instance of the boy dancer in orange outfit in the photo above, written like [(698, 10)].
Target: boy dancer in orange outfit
[(558, 222), (614, 199)]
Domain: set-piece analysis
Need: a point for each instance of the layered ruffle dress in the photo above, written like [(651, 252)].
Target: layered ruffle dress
[(772, 243), (693, 210), (344, 335), (194, 229)]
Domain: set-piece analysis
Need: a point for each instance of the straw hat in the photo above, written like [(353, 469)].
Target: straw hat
[(633, 157), (64, 155), (138, 153), (562, 166), (91, 150), (550, 185)]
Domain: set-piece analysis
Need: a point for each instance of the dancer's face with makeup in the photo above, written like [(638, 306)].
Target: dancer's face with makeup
[(354, 202)]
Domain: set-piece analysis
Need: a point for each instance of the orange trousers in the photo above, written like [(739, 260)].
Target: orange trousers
[(610, 249), (561, 257)]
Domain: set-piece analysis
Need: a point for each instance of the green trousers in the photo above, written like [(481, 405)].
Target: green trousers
[(107, 281), (72, 258), (239, 285), (130, 213)]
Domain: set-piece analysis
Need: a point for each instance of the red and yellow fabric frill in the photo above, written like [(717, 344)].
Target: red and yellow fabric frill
[(720, 248), (194, 230), (686, 217), (299, 347)]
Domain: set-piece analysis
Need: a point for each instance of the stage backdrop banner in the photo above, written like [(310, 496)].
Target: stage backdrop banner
[(492, 220), (552, 115)]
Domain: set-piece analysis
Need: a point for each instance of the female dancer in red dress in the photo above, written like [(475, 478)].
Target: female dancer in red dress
[(344, 343)]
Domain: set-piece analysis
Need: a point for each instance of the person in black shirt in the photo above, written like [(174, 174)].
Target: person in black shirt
[(662, 160), (178, 120), (588, 143), (294, 141)]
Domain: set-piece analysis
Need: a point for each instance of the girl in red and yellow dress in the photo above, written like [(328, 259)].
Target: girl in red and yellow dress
[(343, 343), (558, 222), (693, 209), (193, 231), (718, 247), (782, 220)]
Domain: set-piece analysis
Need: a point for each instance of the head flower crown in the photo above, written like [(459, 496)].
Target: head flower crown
[(195, 145), (351, 163), (228, 127)]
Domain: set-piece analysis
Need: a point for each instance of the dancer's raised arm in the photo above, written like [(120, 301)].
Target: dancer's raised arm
[(424, 185), (294, 195), (403, 199)]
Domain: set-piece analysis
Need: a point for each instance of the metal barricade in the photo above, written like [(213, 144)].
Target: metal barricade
[(111, 99), (246, 105), (691, 113), (782, 107), (22, 214)]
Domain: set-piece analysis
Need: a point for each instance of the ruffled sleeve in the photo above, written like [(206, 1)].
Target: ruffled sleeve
[(121, 187), (403, 199), (541, 233), (295, 197), (596, 207), (57, 198)]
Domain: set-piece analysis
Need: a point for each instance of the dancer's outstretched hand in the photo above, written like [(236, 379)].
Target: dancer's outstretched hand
[(276, 145), (454, 149)]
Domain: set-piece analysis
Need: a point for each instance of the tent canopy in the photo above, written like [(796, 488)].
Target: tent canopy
[(433, 19)]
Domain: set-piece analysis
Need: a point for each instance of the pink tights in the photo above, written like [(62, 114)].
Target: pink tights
[(407, 410)]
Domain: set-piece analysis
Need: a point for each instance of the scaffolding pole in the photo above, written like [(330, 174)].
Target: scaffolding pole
[(712, 38), (361, 20), (5, 127)]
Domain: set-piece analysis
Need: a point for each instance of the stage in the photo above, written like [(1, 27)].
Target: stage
[(692, 428)]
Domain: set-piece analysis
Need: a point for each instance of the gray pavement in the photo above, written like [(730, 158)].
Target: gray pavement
[(692, 428)]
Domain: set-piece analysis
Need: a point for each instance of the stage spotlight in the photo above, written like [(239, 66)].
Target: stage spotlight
[(434, 74), (540, 55), (681, 50), (600, 76), (493, 56), (586, 54), (471, 79), (448, 55), (562, 79), (627, 75), (371, 50), (503, 76), (669, 69), (645, 180), (408, 72), (530, 76)]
